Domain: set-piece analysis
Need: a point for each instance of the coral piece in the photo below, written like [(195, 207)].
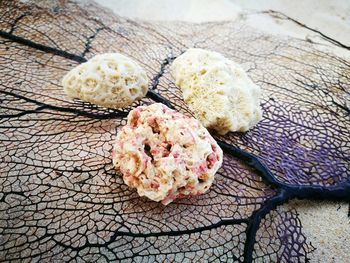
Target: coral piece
[(217, 90), (111, 80), (166, 155)]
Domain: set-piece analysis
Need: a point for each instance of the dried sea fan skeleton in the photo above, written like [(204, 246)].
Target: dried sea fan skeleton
[(59, 197)]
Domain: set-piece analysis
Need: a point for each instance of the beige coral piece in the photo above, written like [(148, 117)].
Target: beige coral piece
[(217, 90), (110, 80), (166, 155)]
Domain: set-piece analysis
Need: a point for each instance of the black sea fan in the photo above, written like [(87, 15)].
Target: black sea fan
[(60, 199)]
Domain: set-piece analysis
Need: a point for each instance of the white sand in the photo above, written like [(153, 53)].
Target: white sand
[(330, 17), (327, 226)]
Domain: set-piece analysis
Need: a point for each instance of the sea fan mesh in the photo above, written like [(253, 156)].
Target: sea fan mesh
[(60, 198)]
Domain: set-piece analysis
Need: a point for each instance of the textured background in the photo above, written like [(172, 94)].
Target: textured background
[(326, 224), (60, 198), (331, 18)]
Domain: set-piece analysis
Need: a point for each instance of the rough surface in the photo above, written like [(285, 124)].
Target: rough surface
[(217, 90), (330, 234), (59, 196), (281, 238), (166, 155), (110, 80)]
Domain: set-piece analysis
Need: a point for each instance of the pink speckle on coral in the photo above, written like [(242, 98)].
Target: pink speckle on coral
[(155, 151), (211, 160), (151, 121), (169, 198), (203, 167), (155, 185)]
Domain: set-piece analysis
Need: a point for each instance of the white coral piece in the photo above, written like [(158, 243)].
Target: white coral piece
[(217, 90), (110, 80)]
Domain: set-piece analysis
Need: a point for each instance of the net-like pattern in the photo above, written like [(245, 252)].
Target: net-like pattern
[(60, 199)]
